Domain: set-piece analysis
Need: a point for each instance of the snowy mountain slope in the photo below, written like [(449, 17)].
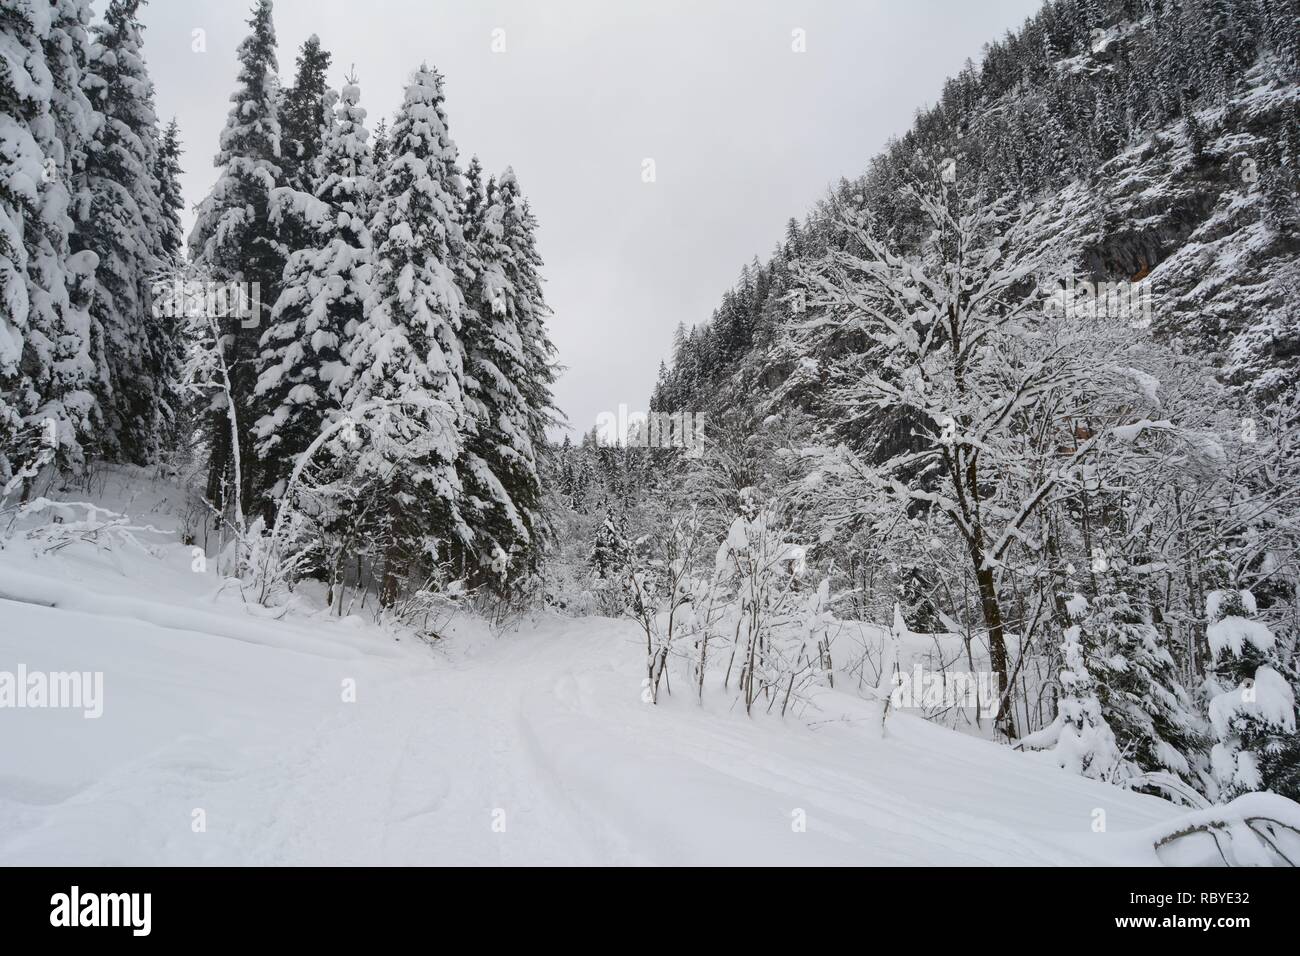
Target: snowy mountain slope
[(1153, 164), (207, 706)]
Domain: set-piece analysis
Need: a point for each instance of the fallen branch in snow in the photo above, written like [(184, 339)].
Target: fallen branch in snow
[(19, 599), (1171, 785), (74, 521), (1256, 829)]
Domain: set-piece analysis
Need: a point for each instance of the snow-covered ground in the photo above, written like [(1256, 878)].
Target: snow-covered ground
[(531, 746)]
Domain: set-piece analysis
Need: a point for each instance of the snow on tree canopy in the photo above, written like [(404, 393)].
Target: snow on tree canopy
[(407, 350), (1232, 632)]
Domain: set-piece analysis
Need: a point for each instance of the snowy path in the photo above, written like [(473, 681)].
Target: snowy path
[(545, 725), (209, 707)]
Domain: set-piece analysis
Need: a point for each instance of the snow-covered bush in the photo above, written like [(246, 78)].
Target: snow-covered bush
[(782, 637), (1252, 710), (660, 576), (427, 611), (1080, 739), (744, 609), (1141, 697)]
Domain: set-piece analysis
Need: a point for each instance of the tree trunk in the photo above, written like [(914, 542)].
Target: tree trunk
[(390, 587), (1005, 720)]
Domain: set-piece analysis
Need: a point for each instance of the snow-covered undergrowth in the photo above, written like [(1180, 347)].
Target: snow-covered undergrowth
[(230, 734)]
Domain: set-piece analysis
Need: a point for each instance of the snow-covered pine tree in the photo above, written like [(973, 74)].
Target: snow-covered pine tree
[(1087, 744), (1253, 708), (1149, 711), (167, 174), (1168, 56), (379, 149), (498, 468), (299, 223), (1282, 35), (523, 273), (47, 373), (234, 240), (1107, 135), (609, 551), (322, 303), (1281, 206), (177, 408), (1195, 134), (407, 353), (304, 115), (24, 109), (1080, 738), (124, 226), (1227, 53), (70, 272)]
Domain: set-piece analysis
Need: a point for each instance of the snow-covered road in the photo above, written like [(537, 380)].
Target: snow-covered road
[(529, 747)]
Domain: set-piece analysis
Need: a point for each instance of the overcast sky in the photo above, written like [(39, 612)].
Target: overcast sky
[(744, 131)]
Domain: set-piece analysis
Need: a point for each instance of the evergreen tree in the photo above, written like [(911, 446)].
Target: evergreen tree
[(24, 109), (1282, 34), (20, 202), (1281, 207), (610, 550), (522, 268), (1107, 135), (407, 351), (322, 301), (1143, 702), (65, 281), (379, 151), (304, 116), (1057, 153), (1253, 710), (47, 372), (1195, 136), (1049, 49), (235, 240), (124, 227), (1225, 56), (566, 472), (1080, 738), (167, 176), (1169, 62), (1087, 18), (175, 406), (499, 468)]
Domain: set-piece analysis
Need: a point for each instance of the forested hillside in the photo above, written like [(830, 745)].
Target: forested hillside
[(1161, 137), (1032, 376)]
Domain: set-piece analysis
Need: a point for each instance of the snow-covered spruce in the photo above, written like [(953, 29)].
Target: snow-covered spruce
[(124, 223), (1253, 709), (47, 341), (325, 289), (408, 346), (1080, 738), (498, 466), (234, 240)]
